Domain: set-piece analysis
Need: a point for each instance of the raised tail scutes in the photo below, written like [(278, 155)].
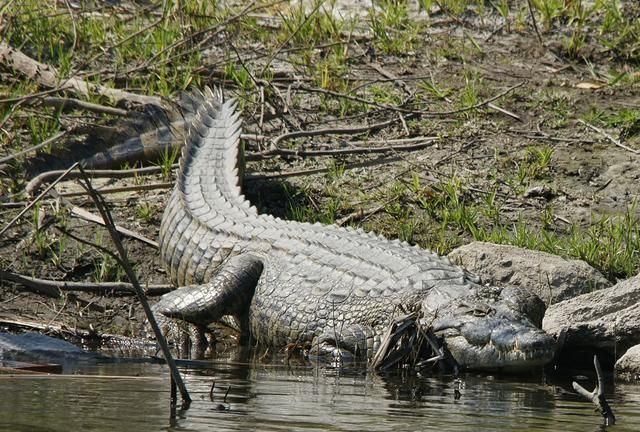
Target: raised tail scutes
[(208, 179)]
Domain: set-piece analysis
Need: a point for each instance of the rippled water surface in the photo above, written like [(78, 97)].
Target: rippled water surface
[(273, 396)]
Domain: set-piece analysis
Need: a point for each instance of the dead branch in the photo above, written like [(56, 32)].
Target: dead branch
[(76, 211), (427, 141), (360, 215), (609, 137), (65, 103), (327, 131), (133, 188), (422, 142), (504, 111), (415, 111), (48, 76), (597, 395), (88, 216), (297, 173), (391, 77), (41, 178), (53, 288), (110, 225)]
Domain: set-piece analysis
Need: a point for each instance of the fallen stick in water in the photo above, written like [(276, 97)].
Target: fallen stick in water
[(597, 395)]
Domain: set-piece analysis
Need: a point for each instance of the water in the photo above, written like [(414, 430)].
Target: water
[(273, 396)]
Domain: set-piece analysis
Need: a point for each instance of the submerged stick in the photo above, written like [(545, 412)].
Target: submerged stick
[(110, 225), (597, 395)]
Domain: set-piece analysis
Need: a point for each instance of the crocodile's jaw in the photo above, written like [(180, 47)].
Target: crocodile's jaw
[(504, 345), (492, 328)]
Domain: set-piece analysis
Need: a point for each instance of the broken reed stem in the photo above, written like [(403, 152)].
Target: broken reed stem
[(106, 216)]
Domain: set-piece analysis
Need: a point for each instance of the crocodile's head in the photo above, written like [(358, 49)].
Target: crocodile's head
[(494, 328)]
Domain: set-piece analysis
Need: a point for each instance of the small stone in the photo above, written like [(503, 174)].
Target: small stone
[(628, 366)]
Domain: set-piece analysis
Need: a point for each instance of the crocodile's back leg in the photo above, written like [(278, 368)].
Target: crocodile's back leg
[(229, 293)]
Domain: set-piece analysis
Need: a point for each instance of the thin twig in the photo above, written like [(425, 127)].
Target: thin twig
[(117, 44), (297, 173), (38, 198), (326, 131), (214, 29), (535, 24), (609, 137), (428, 141), (72, 103), (292, 34), (34, 148), (504, 111), (106, 216), (41, 178), (73, 29), (414, 111), (133, 188), (61, 329), (88, 216), (53, 287)]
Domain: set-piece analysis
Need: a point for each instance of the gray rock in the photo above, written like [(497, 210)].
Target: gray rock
[(35, 344), (551, 277), (608, 319), (628, 366)]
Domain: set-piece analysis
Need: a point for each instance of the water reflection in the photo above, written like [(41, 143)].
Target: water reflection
[(270, 396)]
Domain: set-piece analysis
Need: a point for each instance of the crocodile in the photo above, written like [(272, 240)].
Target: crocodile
[(333, 289)]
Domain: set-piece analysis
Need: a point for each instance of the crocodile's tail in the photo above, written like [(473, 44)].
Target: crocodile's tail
[(209, 178), (167, 136)]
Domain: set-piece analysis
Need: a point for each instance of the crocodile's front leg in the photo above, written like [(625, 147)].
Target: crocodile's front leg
[(229, 293), (352, 342)]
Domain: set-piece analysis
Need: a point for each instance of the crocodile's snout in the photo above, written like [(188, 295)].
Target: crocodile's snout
[(503, 336), (497, 343)]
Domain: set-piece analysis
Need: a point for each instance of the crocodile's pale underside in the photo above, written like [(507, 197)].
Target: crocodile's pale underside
[(337, 289)]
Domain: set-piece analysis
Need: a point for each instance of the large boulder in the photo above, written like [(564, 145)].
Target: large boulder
[(551, 277), (607, 320), (628, 366)]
